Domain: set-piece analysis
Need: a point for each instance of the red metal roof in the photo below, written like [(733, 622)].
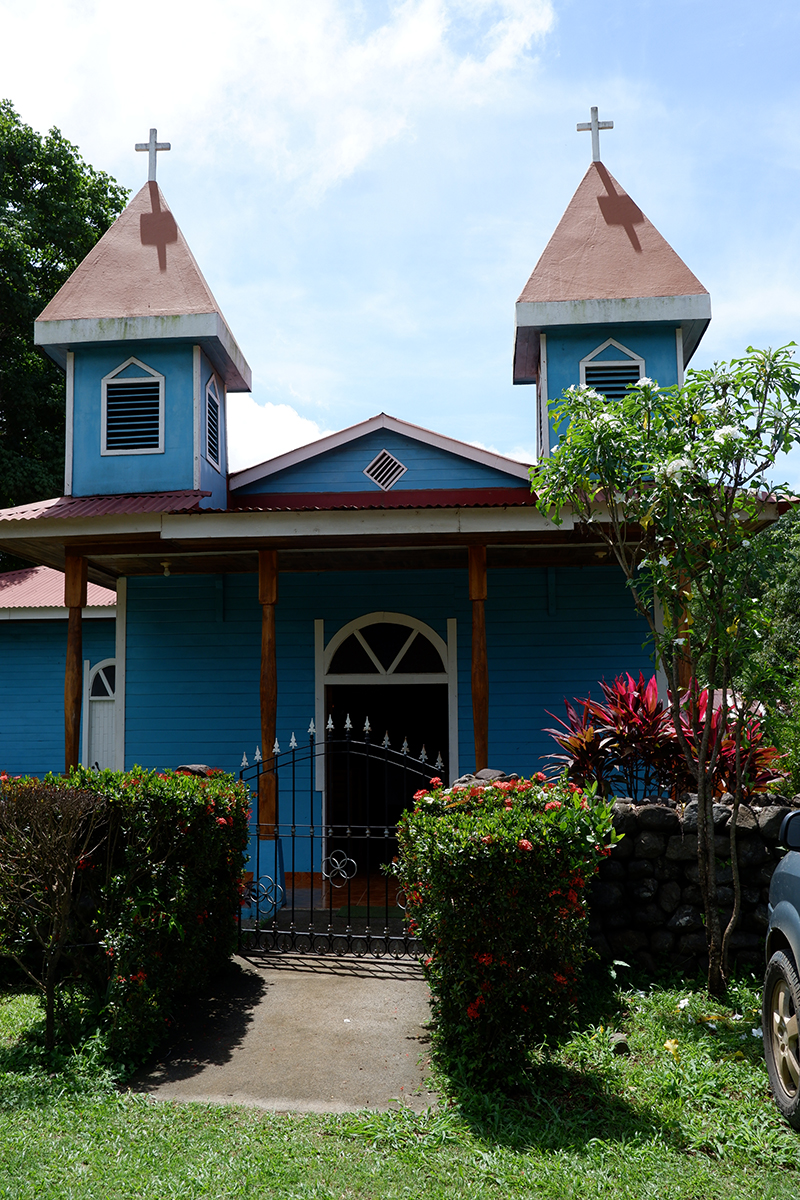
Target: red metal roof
[(42, 587), (497, 497), (100, 506)]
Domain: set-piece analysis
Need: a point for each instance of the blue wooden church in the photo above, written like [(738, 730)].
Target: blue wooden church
[(385, 574)]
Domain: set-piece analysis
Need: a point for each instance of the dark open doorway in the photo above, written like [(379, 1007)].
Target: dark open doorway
[(365, 793)]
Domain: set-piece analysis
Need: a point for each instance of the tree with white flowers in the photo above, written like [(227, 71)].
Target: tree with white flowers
[(677, 483)]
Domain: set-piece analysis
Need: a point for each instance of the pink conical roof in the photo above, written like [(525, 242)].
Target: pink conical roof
[(604, 248), (141, 267)]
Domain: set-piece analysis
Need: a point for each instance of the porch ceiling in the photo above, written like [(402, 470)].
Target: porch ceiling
[(110, 558)]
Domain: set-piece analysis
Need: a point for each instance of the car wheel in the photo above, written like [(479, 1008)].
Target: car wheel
[(780, 1009)]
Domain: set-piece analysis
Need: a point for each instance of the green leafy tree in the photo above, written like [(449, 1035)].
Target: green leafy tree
[(53, 208), (675, 484)]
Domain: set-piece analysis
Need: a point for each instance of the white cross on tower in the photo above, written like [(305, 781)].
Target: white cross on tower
[(154, 146), (594, 126)]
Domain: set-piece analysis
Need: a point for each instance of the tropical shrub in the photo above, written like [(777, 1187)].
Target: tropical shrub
[(154, 900), (495, 880), (46, 833), (629, 743)]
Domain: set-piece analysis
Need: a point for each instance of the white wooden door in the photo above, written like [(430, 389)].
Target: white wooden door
[(102, 687)]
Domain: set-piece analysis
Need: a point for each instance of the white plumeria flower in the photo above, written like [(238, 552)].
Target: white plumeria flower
[(675, 468), (645, 381), (726, 431)]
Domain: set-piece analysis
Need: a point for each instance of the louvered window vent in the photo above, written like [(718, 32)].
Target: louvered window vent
[(611, 379), (212, 425), (385, 470), (133, 415)]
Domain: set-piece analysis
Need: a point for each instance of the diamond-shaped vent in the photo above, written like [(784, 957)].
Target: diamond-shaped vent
[(385, 470)]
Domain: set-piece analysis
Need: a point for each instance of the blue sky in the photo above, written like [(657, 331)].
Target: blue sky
[(367, 186)]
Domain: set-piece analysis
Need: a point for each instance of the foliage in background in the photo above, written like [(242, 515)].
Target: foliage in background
[(674, 483), (495, 882), (629, 746), (775, 664), (53, 208), (152, 909)]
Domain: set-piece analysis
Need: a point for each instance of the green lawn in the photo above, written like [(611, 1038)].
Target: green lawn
[(692, 1120)]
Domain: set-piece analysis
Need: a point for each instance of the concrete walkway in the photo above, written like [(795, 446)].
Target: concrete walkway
[(302, 1034)]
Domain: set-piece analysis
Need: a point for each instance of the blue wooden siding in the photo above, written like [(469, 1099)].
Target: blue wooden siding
[(212, 479), (96, 474), (566, 347), (194, 655), (342, 470), (194, 650), (32, 662)]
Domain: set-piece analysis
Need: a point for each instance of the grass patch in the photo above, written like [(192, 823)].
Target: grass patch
[(691, 1120)]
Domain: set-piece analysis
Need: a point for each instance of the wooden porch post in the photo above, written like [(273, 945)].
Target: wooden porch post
[(74, 600), (268, 598), (480, 663)]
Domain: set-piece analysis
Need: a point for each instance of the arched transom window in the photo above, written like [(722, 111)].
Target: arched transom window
[(386, 647)]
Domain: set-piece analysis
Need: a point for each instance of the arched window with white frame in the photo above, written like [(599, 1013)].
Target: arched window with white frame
[(99, 698)]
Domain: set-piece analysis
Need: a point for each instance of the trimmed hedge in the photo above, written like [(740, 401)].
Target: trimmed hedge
[(495, 881), (155, 905)]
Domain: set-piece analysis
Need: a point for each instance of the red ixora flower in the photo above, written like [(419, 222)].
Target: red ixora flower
[(540, 777), (418, 795), (485, 959), (474, 1009), (222, 820), (552, 804), (524, 844), (436, 781)]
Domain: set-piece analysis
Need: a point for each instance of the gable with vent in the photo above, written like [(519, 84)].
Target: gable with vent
[(132, 414), (381, 460), (610, 368)]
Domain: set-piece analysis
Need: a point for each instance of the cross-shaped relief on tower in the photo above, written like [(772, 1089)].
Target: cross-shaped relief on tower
[(618, 209), (158, 227)]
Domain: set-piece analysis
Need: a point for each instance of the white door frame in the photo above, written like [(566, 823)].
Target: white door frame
[(323, 656)]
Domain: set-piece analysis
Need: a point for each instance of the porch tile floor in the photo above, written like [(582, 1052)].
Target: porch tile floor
[(302, 1033)]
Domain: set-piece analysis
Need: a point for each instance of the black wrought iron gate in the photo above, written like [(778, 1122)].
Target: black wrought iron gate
[(316, 878)]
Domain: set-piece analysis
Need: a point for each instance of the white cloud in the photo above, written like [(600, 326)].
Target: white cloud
[(257, 432), (519, 453), (304, 89)]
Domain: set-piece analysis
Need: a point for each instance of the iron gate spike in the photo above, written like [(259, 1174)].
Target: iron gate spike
[(257, 755), (245, 763), (293, 742)]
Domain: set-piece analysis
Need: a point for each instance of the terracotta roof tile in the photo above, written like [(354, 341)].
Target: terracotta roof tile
[(141, 267), (605, 248)]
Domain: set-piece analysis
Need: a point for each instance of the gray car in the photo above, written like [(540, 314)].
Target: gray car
[(781, 1002)]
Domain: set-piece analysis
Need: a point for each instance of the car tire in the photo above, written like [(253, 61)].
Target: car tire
[(780, 1014)]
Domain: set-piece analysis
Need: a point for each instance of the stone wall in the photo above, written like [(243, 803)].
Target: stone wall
[(646, 906)]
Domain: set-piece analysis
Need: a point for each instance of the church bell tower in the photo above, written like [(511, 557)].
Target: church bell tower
[(149, 360), (608, 302)]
